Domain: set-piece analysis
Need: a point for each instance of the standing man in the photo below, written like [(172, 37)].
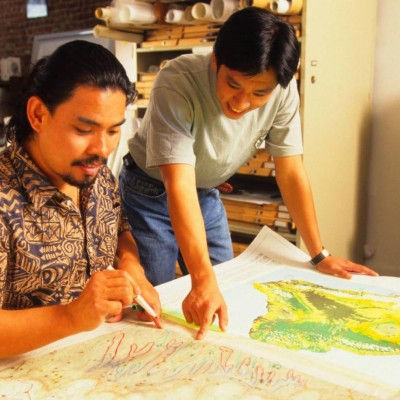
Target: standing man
[(61, 220), (206, 117)]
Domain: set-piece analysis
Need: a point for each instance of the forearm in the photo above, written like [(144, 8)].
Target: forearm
[(187, 222), (296, 192), (29, 329), (297, 196), (188, 225), (128, 255), (128, 261), (204, 300)]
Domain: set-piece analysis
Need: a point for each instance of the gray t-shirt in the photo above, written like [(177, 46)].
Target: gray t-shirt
[(184, 123)]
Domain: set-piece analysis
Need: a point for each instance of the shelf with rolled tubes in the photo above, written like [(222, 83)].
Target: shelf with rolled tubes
[(176, 28), (181, 23), (255, 201)]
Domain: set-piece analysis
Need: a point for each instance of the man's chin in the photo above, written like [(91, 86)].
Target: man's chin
[(82, 183)]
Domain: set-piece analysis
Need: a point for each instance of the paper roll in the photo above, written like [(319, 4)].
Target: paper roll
[(222, 9), (139, 13), (255, 3), (202, 11), (107, 14), (280, 6), (104, 32), (104, 13), (286, 6), (296, 6), (188, 15), (175, 16)]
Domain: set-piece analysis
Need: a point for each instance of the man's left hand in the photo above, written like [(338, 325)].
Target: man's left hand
[(343, 268)]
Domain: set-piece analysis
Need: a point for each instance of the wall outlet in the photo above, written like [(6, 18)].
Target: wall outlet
[(10, 66)]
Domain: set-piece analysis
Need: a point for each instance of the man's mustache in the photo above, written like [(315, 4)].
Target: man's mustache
[(90, 161)]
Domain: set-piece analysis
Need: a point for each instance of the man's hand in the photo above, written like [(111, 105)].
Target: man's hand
[(106, 294), (142, 286), (225, 187), (342, 268), (127, 261), (203, 304)]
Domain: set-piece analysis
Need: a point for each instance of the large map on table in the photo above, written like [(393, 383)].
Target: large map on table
[(140, 362), (350, 325), (315, 337)]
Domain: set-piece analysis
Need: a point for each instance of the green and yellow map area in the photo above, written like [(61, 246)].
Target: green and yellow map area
[(306, 316)]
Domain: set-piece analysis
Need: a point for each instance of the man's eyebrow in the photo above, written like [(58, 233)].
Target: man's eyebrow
[(89, 121), (267, 89)]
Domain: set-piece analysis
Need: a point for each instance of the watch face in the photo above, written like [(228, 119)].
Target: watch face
[(325, 253), (319, 257)]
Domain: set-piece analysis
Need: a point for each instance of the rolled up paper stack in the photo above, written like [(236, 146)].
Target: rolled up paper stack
[(202, 12), (255, 3), (188, 15), (223, 9), (107, 14), (137, 13), (175, 16), (105, 32), (288, 7)]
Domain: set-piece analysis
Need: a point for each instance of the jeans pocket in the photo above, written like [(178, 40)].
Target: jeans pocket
[(136, 182)]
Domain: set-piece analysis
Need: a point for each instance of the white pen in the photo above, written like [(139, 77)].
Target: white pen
[(140, 300), (143, 303)]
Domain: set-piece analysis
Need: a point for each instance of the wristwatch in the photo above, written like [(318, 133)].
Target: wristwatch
[(320, 256)]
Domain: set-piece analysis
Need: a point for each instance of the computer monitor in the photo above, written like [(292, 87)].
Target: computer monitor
[(43, 45)]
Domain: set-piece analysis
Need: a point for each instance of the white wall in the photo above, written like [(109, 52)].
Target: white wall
[(383, 220)]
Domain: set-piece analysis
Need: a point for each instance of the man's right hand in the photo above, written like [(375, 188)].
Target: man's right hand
[(203, 304), (106, 294)]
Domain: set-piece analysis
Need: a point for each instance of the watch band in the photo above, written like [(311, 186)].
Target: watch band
[(320, 256)]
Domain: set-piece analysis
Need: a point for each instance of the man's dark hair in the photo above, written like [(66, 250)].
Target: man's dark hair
[(254, 40), (54, 78)]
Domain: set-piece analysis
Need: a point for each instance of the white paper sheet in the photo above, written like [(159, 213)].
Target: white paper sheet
[(133, 360)]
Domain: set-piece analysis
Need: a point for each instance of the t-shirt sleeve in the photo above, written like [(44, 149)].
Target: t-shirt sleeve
[(284, 137), (169, 137)]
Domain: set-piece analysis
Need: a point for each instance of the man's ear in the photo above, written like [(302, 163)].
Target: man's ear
[(36, 112)]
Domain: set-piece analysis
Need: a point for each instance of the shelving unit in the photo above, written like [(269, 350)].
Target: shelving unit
[(256, 202), (153, 57), (335, 83)]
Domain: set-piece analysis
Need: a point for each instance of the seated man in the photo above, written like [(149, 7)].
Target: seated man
[(61, 220)]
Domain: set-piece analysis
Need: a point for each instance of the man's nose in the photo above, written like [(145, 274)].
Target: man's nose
[(241, 101), (101, 145)]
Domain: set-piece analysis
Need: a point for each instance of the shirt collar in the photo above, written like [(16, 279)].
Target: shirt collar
[(39, 189)]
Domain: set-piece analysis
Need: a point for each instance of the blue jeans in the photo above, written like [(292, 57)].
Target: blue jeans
[(145, 201)]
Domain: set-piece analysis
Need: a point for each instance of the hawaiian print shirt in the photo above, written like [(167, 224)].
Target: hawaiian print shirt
[(48, 247)]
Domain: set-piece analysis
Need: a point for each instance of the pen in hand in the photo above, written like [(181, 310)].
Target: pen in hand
[(142, 302)]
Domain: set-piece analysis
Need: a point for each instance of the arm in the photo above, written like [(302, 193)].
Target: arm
[(128, 260), (296, 192), (205, 299), (106, 293)]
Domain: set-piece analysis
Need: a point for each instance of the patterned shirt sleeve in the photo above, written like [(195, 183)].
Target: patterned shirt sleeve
[(4, 250)]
